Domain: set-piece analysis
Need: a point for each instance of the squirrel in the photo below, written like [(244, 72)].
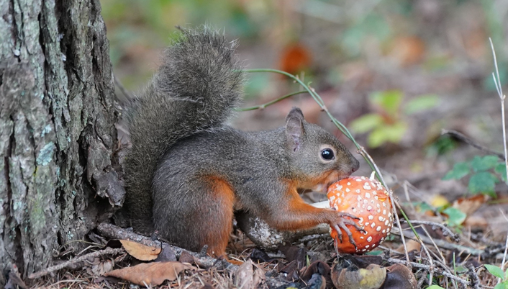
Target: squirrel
[(187, 172)]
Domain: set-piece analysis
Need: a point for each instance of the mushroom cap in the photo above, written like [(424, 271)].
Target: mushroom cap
[(368, 200)]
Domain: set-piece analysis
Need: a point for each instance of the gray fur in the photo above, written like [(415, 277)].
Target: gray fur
[(195, 88)]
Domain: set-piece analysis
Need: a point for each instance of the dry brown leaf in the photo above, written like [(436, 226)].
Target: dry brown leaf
[(140, 251), (471, 204), (411, 245), (150, 273), (244, 276)]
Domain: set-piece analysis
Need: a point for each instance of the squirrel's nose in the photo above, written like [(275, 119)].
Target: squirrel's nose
[(355, 165)]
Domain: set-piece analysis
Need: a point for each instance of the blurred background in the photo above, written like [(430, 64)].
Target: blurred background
[(395, 72)]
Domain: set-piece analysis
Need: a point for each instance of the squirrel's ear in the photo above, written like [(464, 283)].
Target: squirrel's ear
[(294, 128)]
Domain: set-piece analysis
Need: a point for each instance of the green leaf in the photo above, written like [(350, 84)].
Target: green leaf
[(459, 171), (434, 287), (484, 163), (376, 138), (501, 286), (424, 207), (482, 182), (501, 170), (366, 123), (494, 270), (389, 100), (395, 132), (421, 103), (455, 216)]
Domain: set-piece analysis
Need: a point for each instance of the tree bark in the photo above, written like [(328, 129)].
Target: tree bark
[(58, 166)]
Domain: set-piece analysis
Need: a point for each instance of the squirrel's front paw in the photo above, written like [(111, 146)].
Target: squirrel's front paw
[(340, 221)]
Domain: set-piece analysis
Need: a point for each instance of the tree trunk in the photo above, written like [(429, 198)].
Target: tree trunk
[(57, 133)]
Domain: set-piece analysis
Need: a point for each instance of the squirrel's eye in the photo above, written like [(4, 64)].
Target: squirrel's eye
[(327, 154)]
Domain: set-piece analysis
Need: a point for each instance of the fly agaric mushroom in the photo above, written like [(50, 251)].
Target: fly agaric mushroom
[(368, 200)]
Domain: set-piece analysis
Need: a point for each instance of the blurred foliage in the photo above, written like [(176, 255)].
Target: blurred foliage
[(388, 123), (484, 173)]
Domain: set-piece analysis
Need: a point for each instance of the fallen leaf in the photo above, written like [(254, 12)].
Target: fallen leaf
[(140, 251), (411, 245), (371, 277), (244, 276), (150, 273), (471, 204), (399, 277)]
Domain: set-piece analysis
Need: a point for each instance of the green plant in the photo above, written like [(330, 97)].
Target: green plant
[(498, 272), (388, 123), (484, 173)]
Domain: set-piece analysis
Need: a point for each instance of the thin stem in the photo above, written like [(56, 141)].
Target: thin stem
[(502, 97), (262, 106)]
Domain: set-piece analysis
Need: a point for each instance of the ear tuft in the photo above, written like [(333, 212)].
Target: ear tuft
[(294, 129)]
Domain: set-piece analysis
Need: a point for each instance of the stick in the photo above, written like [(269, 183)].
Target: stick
[(107, 251)]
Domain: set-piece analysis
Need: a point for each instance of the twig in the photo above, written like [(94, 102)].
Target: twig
[(502, 97), (263, 106), (443, 244), (443, 227), (114, 232), (506, 245), (474, 276), (469, 141), (107, 251)]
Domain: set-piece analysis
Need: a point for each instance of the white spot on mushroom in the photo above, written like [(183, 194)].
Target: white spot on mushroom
[(367, 246), (369, 239), (357, 191), (360, 220), (387, 223), (374, 193), (348, 183), (366, 223), (366, 186), (367, 195), (378, 228), (359, 199), (361, 237), (377, 205), (384, 212), (369, 208), (376, 197), (373, 225), (347, 190), (381, 219), (371, 217), (383, 231)]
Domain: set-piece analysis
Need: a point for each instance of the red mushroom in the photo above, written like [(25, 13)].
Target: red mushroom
[(368, 200)]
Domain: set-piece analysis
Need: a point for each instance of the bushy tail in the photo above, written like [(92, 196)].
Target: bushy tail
[(196, 87)]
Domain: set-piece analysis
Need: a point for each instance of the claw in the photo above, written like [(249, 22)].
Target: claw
[(349, 234), (339, 232), (344, 214), (357, 227)]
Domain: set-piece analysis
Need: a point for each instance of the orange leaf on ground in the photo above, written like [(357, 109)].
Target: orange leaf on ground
[(140, 251), (150, 273), (471, 204)]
